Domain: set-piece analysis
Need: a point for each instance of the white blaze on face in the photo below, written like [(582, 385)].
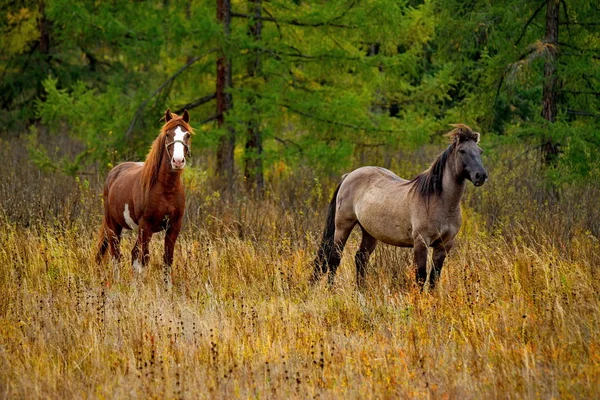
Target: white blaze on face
[(128, 219), (178, 160)]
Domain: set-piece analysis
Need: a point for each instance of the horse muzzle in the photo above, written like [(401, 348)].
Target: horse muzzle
[(180, 148), (177, 163), (479, 178)]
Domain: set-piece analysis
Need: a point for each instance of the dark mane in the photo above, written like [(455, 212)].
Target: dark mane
[(429, 182)]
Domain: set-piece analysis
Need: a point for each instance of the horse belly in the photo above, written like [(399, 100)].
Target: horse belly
[(396, 235), (388, 227), (123, 212), (120, 202)]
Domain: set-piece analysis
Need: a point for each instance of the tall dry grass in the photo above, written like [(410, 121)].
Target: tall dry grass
[(516, 314)]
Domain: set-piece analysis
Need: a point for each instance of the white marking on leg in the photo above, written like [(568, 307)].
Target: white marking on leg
[(128, 219), (137, 267)]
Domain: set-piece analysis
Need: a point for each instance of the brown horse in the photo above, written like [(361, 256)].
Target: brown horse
[(148, 197), (419, 213)]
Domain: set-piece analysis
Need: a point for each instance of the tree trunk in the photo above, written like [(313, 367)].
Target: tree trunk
[(550, 148), (44, 26), (224, 102), (253, 168), (44, 29)]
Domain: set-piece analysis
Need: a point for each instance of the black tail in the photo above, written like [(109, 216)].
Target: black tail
[(326, 248)]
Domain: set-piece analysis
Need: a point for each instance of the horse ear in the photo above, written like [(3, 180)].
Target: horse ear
[(168, 115), (186, 116), (477, 136)]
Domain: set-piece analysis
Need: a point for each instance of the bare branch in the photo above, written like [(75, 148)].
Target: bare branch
[(209, 119), (530, 20), (276, 23), (370, 144), (527, 151), (169, 81), (342, 15), (564, 4), (294, 22), (499, 87), (196, 103), (342, 124), (285, 142), (582, 51), (580, 23), (582, 113), (300, 56), (580, 92)]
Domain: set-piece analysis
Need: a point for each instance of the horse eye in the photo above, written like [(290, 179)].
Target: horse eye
[(461, 151), (187, 136)]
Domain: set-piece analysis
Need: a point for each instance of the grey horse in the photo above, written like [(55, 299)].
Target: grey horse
[(421, 213)]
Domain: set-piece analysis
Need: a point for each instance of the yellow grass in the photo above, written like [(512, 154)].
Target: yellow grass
[(511, 318), (516, 314)]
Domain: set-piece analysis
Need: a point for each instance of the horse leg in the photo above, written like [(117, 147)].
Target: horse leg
[(114, 238), (439, 255), (113, 233), (335, 255), (170, 239), (367, 245), (420, 260), (140, 253), (327, 240), (103, 242), (320, 262)]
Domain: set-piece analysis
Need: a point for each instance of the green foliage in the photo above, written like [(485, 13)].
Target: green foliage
[(71, 111), (19, 30), (499, 55), (331, 79)]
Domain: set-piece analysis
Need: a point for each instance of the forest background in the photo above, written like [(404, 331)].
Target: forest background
[(285, 97), (281, 85)]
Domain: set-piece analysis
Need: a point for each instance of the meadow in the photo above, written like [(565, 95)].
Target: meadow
[(516, 313)]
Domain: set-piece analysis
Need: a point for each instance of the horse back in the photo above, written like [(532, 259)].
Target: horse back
[(379, 201)]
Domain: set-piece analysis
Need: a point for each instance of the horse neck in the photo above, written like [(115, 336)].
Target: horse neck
[(167, 178), (164, 177), (453, 186)]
